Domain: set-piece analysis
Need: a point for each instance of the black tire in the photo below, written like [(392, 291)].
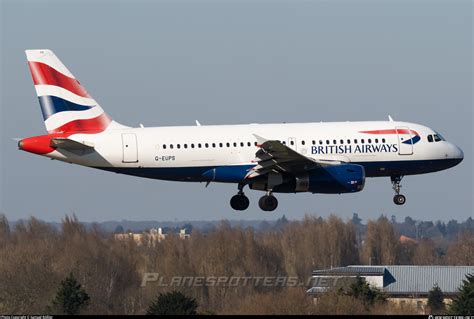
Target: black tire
[(268, 203), (239, 202), (399, 199)]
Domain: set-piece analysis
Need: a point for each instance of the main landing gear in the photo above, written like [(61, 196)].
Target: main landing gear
[(398, 199), (240, 201), (266, 203)]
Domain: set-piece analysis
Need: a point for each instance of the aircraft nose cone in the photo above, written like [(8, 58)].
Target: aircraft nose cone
[(456, 154), (20, 144)]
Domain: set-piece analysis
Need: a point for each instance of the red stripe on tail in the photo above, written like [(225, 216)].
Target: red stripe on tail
[(89, 126), (46, 75)]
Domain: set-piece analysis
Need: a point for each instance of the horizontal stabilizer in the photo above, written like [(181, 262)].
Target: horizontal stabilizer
[(68, 144)]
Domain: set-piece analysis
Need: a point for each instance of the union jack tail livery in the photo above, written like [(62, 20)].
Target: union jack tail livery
[(65, 103)]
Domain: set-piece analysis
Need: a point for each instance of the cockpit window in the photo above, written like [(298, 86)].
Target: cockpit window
[(439, 136), (435, 137)]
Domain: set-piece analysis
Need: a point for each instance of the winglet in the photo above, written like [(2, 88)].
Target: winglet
[(390, 118)]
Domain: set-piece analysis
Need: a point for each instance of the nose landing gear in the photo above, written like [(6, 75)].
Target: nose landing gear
[(398, 199)]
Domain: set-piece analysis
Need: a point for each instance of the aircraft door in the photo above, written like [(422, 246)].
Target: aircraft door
[(292, 143), (405, 140), (130, 150)]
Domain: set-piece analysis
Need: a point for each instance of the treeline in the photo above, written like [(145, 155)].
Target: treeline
[(36, 257), (419, 229)]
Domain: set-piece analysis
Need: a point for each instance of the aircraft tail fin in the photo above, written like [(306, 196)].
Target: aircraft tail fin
[(65, 103)]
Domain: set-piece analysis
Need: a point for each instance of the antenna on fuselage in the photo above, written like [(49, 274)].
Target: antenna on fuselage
[(390, 118)]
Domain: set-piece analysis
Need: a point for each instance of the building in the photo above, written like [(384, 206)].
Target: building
[(403, 284), (183, 234), (149, 238)]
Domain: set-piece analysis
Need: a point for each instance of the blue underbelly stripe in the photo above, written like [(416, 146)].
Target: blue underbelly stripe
[(236, 173)]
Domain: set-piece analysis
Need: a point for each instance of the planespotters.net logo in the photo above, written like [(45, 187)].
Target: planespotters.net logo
[(224, 281)]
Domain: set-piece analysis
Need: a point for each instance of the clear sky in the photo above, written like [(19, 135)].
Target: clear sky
[(223, 62)]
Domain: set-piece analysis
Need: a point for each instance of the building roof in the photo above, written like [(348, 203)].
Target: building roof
[(351, 270), (407, 280), (405, 239), (421, 279)]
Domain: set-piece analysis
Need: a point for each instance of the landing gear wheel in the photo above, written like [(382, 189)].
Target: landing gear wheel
[(268, 203), (239, 202), (399, 199)]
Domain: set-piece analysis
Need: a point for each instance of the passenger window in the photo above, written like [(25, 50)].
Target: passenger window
[(327, 142), (370, 141), (164, 146), (235, 144), (355, 141), (302, 142), (342, 141), (171, 146), (213, 144), (362, 141), (256, 143), (314, 142), (249, 144), (206, 145), (430, 138), (284, 143), (292, 142), (185, 145), (227, 144), (376, 140), (320, 142), (348, 141), (383, 140), (192, 145), (220, 144), (199, 145), (334, 142)]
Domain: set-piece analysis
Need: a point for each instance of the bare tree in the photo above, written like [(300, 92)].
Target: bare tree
[(381, 243)]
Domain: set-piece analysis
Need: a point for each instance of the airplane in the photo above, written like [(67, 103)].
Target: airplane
[(329, 158)]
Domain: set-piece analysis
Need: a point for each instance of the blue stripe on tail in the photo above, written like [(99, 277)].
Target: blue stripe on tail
[(53, 104)]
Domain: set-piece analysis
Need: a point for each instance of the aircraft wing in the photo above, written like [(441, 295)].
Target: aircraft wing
[(70, 145), (276, 157)]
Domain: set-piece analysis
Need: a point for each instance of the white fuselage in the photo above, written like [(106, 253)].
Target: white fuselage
[(185, 152)]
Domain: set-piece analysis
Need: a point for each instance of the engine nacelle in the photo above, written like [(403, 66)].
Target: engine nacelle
[(336, 179)]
